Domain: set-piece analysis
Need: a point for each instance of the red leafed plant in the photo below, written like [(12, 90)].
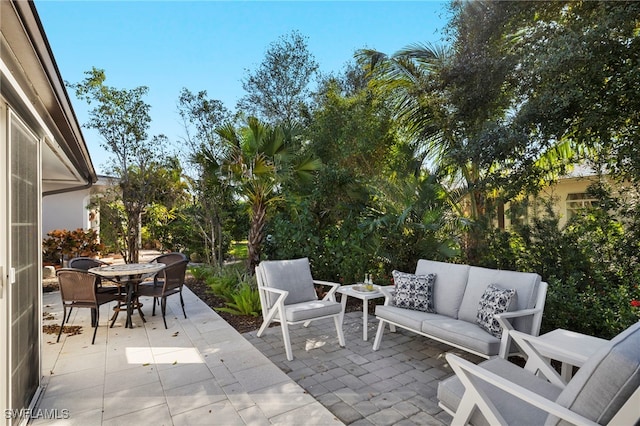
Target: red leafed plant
[(64, 244)]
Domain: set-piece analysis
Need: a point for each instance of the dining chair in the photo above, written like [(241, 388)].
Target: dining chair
[(169, 258), (78, 290), (165, 283), (86, 263), (288, 296)]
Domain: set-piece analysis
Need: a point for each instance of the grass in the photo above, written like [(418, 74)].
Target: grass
[(239, 249)]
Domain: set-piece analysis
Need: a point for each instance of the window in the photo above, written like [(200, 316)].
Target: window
[(579, 201)]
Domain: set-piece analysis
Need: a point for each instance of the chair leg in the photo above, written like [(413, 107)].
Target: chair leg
[(153, 311), (182, 303), (97, 317), (287, 340), (64, 315), (137, 305), (115, 314), (376, 342), (163, 306), (338, 321), (70, 309)]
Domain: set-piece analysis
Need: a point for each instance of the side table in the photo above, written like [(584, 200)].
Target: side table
[(568, 347), (365, 296)]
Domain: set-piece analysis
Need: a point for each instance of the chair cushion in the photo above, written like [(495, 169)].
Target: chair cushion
[(413, 291), (524, 283), (308, 310), (606, 381), (514, 411), (495, 300), (293, 276), (449, 287)]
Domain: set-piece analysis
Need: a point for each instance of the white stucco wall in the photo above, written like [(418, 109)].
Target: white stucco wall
[(65, 211)]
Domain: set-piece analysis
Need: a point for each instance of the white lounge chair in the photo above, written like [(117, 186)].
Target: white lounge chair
[(287, 295), (604, 391)]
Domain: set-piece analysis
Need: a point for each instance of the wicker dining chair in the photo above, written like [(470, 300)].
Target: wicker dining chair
[(167, 282), (78, 290)]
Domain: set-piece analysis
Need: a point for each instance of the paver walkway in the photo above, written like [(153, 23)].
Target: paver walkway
[(395, 385)]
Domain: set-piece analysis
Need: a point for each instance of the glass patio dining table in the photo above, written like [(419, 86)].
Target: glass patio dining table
[(128, 275)]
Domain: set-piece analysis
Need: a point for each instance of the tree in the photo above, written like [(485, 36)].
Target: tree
[(201, 117), (278, 90), (122, 118), (259, 160), (579, 77)]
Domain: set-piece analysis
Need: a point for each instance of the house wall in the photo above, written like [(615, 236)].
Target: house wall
[(557, 193), (66, 211), (41, 149)]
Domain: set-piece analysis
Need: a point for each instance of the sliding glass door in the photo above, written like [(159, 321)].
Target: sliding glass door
[(24, 252)]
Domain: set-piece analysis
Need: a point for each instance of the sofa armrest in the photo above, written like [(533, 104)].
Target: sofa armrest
[(504, 318), (388, 291)]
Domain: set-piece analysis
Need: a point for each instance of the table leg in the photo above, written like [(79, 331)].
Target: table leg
[(566, 371), (129, 323), (365, 318)]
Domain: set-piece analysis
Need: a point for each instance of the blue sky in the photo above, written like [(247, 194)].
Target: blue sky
[(208, 45)]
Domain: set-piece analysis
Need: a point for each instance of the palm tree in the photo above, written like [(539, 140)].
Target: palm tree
[(459, 120), (260, 159)]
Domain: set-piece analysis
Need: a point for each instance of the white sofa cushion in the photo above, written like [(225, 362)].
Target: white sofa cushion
[(404, 317), (462, 333), (451, 281)]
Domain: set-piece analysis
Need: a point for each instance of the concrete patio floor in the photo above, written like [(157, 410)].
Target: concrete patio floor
[(202, 371)]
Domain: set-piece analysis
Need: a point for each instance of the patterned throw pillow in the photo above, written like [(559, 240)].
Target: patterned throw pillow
[(414, 291), (494, 301)]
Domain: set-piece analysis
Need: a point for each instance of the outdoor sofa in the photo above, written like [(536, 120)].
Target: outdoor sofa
[(449, 302)]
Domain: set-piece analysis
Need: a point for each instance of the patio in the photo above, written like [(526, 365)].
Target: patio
[(202, 371)]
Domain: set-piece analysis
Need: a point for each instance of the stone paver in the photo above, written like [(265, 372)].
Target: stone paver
[(198, 371), (394, 385)]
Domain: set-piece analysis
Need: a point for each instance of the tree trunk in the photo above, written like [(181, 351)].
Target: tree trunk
[(256, 235)]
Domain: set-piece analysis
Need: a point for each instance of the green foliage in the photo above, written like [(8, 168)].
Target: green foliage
[(245, 301), (145, 174), (223, 285), (277, 91), (69, 244), (591, 266), (232, 284), (239, 250), (201, 273)]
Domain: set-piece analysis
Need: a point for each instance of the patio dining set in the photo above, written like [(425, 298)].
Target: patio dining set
[(90, 283)]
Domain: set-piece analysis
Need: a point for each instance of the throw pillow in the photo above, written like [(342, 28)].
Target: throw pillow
[(494, 301), (414, 291)]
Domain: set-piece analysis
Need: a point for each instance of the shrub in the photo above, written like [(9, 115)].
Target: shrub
[(64, 244), (244, 301), (201, 273), (591, 266)]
